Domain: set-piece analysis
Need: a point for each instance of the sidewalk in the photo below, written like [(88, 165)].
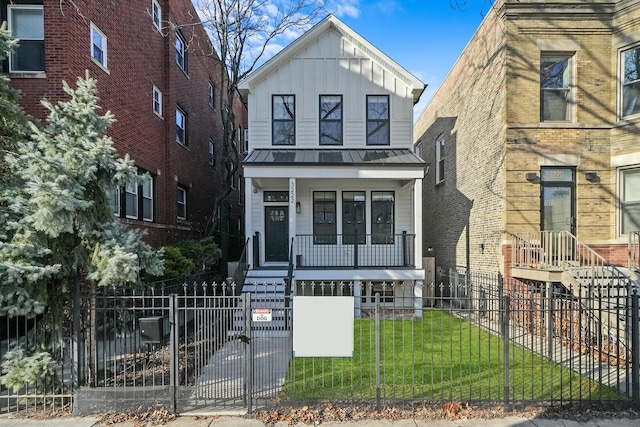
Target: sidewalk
[(227, 421)]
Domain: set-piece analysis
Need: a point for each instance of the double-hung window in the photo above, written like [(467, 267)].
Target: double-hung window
[(131, 201), (382, 217), (212, 152), (181, 51), (147, 199), (134, 200), (157, 101), (630, 200), (324, 217), (556, 98), (284, 120), (156, 14), (330, 119), (440, 151), (26, 23), (631, 82), (212, 94), (378, 127), (181, 203), (98, 46), (353, 217), (181, 126)]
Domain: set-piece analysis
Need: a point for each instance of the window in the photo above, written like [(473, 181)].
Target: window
[(330, 119), (555, 88), (147, 200), (440, 160), (133, 201), (26, 23), (181, 126), (284, 113), (181, 51), (324, 217), (212, 94), (246, 140), (181, 203), (157, 101), (630, 200), (156, 14), (98, 46), (631, 82), (353, 217), (378, 120), (382, 217), (212, 153)]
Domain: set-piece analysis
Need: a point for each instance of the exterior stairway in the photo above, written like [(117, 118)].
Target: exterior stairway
[(603, 288)]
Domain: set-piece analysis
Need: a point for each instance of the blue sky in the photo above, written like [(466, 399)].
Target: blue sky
[(426, 37)]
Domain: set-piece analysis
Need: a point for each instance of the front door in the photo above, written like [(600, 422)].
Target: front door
[(558, 200), (276, 233)]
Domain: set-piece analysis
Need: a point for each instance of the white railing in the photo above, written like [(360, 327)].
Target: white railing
[(634, 251)]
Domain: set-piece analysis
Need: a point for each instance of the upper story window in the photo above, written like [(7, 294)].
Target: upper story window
[(556, 81), (156, 14), (330, 119), (98, 46), (212, 153), (181, 51), (157, 101), (284, 120), (440, 151), (26, 23), (631, 82), (630, 200), (212, 94), (378, 126), (181, 126), (133, 201)]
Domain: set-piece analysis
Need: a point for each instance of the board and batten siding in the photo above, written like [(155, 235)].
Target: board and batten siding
[(331, 66)]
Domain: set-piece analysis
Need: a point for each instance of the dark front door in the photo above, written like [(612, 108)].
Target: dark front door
[(558, 200), (276, 233)]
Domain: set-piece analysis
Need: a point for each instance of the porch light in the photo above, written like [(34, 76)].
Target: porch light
[(298, 207), (592, 176), (533, 178)]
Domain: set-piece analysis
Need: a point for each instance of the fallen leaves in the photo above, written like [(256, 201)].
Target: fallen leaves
[(140, 418)]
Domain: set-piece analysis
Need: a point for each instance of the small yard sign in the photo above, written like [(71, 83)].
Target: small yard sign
[(261, 315)]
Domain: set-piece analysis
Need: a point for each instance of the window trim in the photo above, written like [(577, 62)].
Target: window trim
[(212, 95), (362, 237), (181, 190), (10, 9), (621, 200), (322, 120), (156, 14), (104, 49), (150, 197), (182, 126), (181, 52), (212, 153), (327, 238), (570, 106), (370, 120), (157, 102), (621, 84), (274, 120), (441, 145)]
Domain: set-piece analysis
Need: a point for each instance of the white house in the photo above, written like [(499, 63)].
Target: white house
[(333, 186)]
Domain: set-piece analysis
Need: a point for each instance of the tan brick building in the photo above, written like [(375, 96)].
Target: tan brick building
[(536, 129)]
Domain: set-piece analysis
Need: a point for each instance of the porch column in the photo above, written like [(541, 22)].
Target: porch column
[(248, 230), (417, 298), (357, 300), (292, 211), (417, 221)]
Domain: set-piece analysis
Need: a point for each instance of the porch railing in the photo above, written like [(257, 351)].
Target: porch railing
[(355, 251), (634, 251)]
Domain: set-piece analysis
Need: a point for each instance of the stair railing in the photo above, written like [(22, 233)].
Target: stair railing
[(634, 251)]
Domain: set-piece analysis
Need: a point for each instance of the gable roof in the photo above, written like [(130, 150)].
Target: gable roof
[(328, 24)]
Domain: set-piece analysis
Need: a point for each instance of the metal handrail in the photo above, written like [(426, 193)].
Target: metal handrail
[(634, 251)]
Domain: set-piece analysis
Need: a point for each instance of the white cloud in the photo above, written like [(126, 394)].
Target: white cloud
[(344, 8)]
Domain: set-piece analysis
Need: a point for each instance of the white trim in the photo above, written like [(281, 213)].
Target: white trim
[(10, 9), (625, 160), (155, 6), (439, 158), (183, 191), (387, 172), (150, 198), (158, 92)]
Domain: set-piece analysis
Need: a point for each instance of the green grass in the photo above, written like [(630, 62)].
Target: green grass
[(438, 357)]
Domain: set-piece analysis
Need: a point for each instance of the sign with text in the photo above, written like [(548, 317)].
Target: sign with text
[(261, 315)]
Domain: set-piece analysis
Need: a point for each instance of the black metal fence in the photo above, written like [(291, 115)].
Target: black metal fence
[(468, 338)]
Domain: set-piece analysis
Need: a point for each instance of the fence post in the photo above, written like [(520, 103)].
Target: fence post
[(355, 249), (377, 319), (173, 349), (635, 350), (76, 375), (248, 360), (506, 301)]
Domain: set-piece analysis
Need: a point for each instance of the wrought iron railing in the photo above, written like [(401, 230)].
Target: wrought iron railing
[(355, 251), (634, 250)]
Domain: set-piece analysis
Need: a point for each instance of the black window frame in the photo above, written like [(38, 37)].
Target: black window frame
[(327, 122), (375, 124), (378, 199), (325, 228), (278, 123), (350, 212)]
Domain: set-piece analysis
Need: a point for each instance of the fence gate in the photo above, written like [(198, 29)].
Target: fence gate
[(226, 346)]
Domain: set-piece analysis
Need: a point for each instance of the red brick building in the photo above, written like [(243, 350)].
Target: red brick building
[(157, 75)]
